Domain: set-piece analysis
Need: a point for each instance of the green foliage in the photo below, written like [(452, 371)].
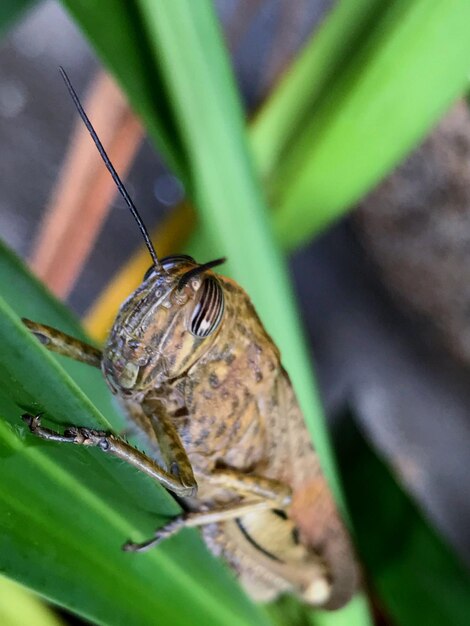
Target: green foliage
[(381, 95), (18, 606), (283, 117), (362, 93)]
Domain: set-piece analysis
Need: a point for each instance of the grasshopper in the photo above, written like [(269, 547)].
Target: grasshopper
[(201, 379)]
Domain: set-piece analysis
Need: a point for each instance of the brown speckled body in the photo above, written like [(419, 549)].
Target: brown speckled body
[(233, 406), (203, 383), (223, 393)]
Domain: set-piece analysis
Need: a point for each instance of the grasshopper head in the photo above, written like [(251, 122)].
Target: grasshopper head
[(164, 326)]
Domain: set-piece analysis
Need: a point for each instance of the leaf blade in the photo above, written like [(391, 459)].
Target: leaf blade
[(384, 101)]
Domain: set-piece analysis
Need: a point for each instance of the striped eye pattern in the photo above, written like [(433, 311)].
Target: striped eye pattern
[(209, 308)]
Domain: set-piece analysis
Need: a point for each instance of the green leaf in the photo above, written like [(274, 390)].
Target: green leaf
[(395, 86), (18, 606), (283, 117), (417, 576), (66, 511)]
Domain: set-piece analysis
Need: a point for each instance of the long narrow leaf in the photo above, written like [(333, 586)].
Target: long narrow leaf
[(412, 65), (189, 47), (283, 117)]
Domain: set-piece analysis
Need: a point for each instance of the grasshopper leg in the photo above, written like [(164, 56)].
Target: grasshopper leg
[(173, 452), (268, 493), (116, 447), (275, 492), (198, 518), (57, 341), (151, 420)]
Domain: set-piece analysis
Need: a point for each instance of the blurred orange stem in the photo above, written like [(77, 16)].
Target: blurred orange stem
[(84, 193)]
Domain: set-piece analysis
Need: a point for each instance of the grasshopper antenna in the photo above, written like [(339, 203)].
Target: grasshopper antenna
[(110, 166)]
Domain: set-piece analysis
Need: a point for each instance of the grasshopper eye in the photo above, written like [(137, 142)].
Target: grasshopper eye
[(209, 308)]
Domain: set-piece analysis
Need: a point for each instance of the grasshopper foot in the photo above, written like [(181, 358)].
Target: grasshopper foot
[(166, 531), (73, 434), (33, 422)]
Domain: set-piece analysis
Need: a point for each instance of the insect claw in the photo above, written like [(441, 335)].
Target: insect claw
[(71, 432), (166, 531), (33, 422), (141, 547), (144, 546), (186, 490)]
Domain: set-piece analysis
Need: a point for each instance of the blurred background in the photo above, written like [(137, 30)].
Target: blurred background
[(384, 291)]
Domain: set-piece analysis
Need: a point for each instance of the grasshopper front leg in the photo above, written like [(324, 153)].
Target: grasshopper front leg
[(61, 343), (179, 479), (116, 447)]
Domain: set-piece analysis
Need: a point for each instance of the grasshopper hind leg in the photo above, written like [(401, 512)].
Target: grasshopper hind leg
[(260, 493), (194, 519)]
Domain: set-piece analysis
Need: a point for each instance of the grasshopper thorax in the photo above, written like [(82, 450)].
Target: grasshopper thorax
[(164, 327)]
